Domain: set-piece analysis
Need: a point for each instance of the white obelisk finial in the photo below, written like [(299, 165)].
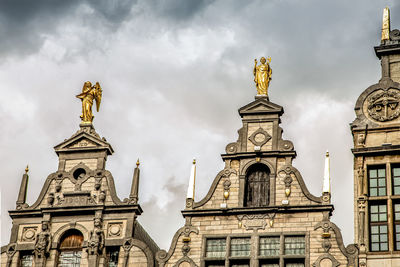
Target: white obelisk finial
[(192, 180), (327, 178)]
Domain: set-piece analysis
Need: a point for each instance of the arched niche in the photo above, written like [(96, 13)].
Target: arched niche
[(257, 191), (70, 248)]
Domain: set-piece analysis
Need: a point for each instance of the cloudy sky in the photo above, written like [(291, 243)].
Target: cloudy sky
[(174, 74)]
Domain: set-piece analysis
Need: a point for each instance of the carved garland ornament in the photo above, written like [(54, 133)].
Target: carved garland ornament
[(255, 221), (384, 105)]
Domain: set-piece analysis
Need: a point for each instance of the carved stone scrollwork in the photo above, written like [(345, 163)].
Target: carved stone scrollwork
[(128, 243), (394, 35), (286, 145), (255, 221), (185, 249), (260, 137), (189, 203), (28, 234), (185, 262), (11, 249), (162, 256), (326, 260), (383, 105), (231, 148), (227, 184)]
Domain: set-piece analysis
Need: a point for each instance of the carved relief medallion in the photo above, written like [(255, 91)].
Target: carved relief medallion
[(260, 137), (114, 229), (383, 105), (28, 234)]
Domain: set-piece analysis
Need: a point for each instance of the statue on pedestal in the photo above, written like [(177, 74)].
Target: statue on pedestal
[(262, 75), (89, 93), (42, 245)]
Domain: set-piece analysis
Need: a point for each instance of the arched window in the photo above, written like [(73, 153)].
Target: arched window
[(70, 249), (257, 186)]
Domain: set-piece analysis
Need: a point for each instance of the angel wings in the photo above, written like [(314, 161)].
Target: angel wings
[(89, 93)]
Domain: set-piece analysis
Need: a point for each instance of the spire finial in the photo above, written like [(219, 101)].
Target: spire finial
[(137, 163), (192, 180), (327, 178), (27, 169), (385, 24)]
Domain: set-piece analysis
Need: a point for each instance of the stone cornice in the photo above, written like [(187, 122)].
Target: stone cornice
[(260, 210)]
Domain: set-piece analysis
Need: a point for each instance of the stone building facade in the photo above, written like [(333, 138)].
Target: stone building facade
[(78, 220), (376, 136), (258, 211)]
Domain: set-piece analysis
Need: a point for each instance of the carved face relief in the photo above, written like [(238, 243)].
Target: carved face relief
[(384, 105)]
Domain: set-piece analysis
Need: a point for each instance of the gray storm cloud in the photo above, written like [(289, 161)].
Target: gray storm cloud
[(174, 74)]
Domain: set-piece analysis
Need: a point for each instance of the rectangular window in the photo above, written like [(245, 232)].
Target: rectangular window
[(236, 263), (378, 227), (396, 218), (269, 246), (112, 256), (294, 264), (240, 247), (295, 245), (276, 264), (377, 181), (396, 180), (70, 259), (216, 248), (26, 259)]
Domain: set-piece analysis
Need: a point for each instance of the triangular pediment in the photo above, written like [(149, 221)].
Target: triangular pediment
[(84, 141), (261, 106)]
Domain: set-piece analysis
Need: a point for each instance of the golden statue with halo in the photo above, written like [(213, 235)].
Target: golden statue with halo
[(262, 75), (89, 93)]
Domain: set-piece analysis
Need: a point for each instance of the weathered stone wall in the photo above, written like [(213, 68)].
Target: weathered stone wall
[(304, 223), (394, 67)]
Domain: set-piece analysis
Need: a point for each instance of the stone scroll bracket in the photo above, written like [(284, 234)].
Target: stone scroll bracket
[(163, 256)]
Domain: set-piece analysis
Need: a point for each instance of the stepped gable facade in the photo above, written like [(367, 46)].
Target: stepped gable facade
[(376, 136), (78, 219), (258, 211)]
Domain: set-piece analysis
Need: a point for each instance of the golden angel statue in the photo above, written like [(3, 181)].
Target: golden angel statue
[(89, 93), (262, 75)]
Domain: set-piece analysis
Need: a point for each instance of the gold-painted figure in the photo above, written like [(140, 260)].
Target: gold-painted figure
[(89, 93), (262, 75), (385, 24)]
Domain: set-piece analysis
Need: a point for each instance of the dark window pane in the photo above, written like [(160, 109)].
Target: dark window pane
[(378, 213), (373, 192), (26, 259), (69, 259), (379, 238), (240, 247), (216, 248), (112, 256), (269, 246), (381, 191), (295, 245), (240, 265), (377, 182)]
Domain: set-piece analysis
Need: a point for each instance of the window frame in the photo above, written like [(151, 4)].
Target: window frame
[(109, 250), (378, 224), (377, 187), (23, 253), (254, 249)]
